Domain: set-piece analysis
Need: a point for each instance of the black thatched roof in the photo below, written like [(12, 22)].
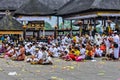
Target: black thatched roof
[(34, 7), (11, 4), (9, 23), (54, 4), (77, 6), (64, 7), (15, 4)]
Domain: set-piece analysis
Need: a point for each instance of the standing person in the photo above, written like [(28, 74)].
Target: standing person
[(97, 38), (116, 48), (107, 44)]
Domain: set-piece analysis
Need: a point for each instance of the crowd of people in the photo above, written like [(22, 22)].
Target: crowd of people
[(76, 48)]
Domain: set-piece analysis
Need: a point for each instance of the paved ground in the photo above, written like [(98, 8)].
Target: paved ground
[(61, 70)]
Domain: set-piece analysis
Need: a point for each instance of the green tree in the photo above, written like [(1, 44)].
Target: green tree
[(48, 26)]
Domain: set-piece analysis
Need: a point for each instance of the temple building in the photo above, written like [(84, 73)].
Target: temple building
[(107, 11), (37, 15)]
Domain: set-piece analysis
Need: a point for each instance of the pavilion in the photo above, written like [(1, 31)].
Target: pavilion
[(84, 10), (91, 10), (10, 26)]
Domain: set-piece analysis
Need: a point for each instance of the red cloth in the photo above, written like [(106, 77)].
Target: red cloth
[(102, 47), (72, 56)]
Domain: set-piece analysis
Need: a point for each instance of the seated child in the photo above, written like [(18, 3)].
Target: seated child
[(89, 52), (98, 52), (82, 53)]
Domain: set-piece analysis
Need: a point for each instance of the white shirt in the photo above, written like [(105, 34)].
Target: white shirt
[(45, 55), (77, 39), (30, 50), (116, 39), (11, 51), (107, 43), (110, 51), (38, 55), (82, 51)]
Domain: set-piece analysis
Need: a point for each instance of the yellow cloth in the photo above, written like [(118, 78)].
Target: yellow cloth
[(87, 52), (109, 29), (74, 39), (77, 52)]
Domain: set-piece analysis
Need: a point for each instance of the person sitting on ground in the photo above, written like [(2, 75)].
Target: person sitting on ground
[(36, 58), (103, 48), (46, 57), (89, 52), (82, 53), (68, 57), (77, 51), (110, 54), (19, 55), (8, 47), (40, 57), (10, 52), (98, 52), (73, 54), (29, 50), (2, 49)]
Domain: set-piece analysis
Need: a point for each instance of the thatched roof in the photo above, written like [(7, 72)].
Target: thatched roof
[(34, 7), (63, 7), (15, 4), (77, 6), (11, 4), (9, 23), (54, 4)]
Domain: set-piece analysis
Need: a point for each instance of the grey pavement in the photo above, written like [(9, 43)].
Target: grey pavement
[(60, 70)]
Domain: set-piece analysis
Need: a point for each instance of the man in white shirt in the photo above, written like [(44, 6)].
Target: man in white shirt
[(46, 59), (36, 57), (107, 44), (29, 50), (116, 44)]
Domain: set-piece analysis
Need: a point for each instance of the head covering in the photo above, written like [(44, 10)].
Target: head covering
[(37, 49), (16, 48), (115, 32)]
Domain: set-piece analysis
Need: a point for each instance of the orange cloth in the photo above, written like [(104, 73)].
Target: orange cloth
[(90, 52), (102, 47), (22, 54)]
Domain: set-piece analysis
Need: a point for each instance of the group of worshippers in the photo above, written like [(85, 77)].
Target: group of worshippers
[(34, 53), (77, 48), (87, 47)]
